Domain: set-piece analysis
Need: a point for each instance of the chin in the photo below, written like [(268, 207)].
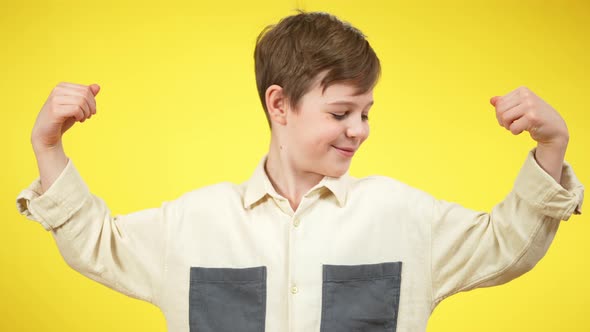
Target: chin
[(332, 168), (336, 173)]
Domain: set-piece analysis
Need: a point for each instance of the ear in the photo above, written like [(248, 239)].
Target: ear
[(276, 104)]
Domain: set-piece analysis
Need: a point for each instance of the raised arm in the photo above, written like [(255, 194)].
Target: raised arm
[(123, 252), (472, 249)]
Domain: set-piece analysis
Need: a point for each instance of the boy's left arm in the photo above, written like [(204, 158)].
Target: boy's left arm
[(473, 249)]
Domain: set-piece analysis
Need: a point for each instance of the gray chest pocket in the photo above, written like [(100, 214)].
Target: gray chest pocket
[(360, 297), (227, 299)]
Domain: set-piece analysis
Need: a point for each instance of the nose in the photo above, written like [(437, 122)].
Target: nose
[(357, 128)]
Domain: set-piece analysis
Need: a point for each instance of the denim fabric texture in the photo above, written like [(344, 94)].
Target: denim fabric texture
[(361, 297), (227, 299)]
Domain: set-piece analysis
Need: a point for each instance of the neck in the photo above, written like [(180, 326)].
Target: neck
[(287, 180)]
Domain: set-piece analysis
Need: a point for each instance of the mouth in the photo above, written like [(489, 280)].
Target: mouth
[(347, 152)]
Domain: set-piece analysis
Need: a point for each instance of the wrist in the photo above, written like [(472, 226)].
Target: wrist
[(44, 149), (550, 156), (51, 162), (557, 144), (54, 155)]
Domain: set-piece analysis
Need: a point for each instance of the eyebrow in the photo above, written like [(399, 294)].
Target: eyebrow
[(349, 103)]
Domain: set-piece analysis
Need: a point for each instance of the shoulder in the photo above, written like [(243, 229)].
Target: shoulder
[(380, 182), (210, 195), (381, 187)]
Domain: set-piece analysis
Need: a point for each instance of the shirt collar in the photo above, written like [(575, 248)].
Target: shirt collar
[(259, 186)]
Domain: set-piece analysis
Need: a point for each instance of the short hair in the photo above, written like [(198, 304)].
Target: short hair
[(293, 52)]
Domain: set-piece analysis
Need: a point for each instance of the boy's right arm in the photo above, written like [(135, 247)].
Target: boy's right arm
[(123, 252)]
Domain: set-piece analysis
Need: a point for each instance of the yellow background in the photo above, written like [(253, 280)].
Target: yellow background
[(178, 110)]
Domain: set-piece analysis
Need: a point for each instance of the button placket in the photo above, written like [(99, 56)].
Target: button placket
[(293, 289), (283, 204)]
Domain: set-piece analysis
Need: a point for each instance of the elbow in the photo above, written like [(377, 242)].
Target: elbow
[(530, 252)]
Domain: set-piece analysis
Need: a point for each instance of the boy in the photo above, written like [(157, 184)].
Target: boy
[(302, 245)]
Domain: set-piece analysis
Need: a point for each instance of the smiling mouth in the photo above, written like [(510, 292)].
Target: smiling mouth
[(345, 151)]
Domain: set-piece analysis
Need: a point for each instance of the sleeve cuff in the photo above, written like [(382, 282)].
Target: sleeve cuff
[(537, 187), (63, 198)]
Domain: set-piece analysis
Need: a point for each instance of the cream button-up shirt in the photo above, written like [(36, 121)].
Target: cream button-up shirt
[(358, 254)]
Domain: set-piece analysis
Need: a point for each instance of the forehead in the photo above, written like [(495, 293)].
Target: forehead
[(340, 92)]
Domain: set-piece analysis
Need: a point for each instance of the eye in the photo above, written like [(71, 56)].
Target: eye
[(365, 117), (339, 116)]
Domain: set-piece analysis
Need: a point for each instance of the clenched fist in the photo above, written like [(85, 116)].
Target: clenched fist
[(67, 103), (522, 110)]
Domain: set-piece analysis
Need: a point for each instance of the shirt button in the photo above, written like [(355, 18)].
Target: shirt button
[(296, 222), (294, 289)]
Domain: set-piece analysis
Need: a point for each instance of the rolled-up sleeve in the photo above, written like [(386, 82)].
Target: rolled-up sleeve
[(471, 249), (123, 252)]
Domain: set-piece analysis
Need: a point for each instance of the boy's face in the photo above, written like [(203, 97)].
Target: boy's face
[(325, 125)]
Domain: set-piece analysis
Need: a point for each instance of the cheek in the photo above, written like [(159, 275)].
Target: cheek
[(317, 139), (328, 136)]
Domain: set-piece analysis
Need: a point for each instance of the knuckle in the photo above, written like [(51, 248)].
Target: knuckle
[(53, 100), (533, 118)]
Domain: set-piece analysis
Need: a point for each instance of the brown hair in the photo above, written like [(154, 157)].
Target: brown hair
[(293, 52)]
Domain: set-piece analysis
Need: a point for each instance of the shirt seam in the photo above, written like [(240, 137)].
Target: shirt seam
[(158, 295), (101, 274), (38, 215), (101, 270), (540, 204), (57, 202)]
